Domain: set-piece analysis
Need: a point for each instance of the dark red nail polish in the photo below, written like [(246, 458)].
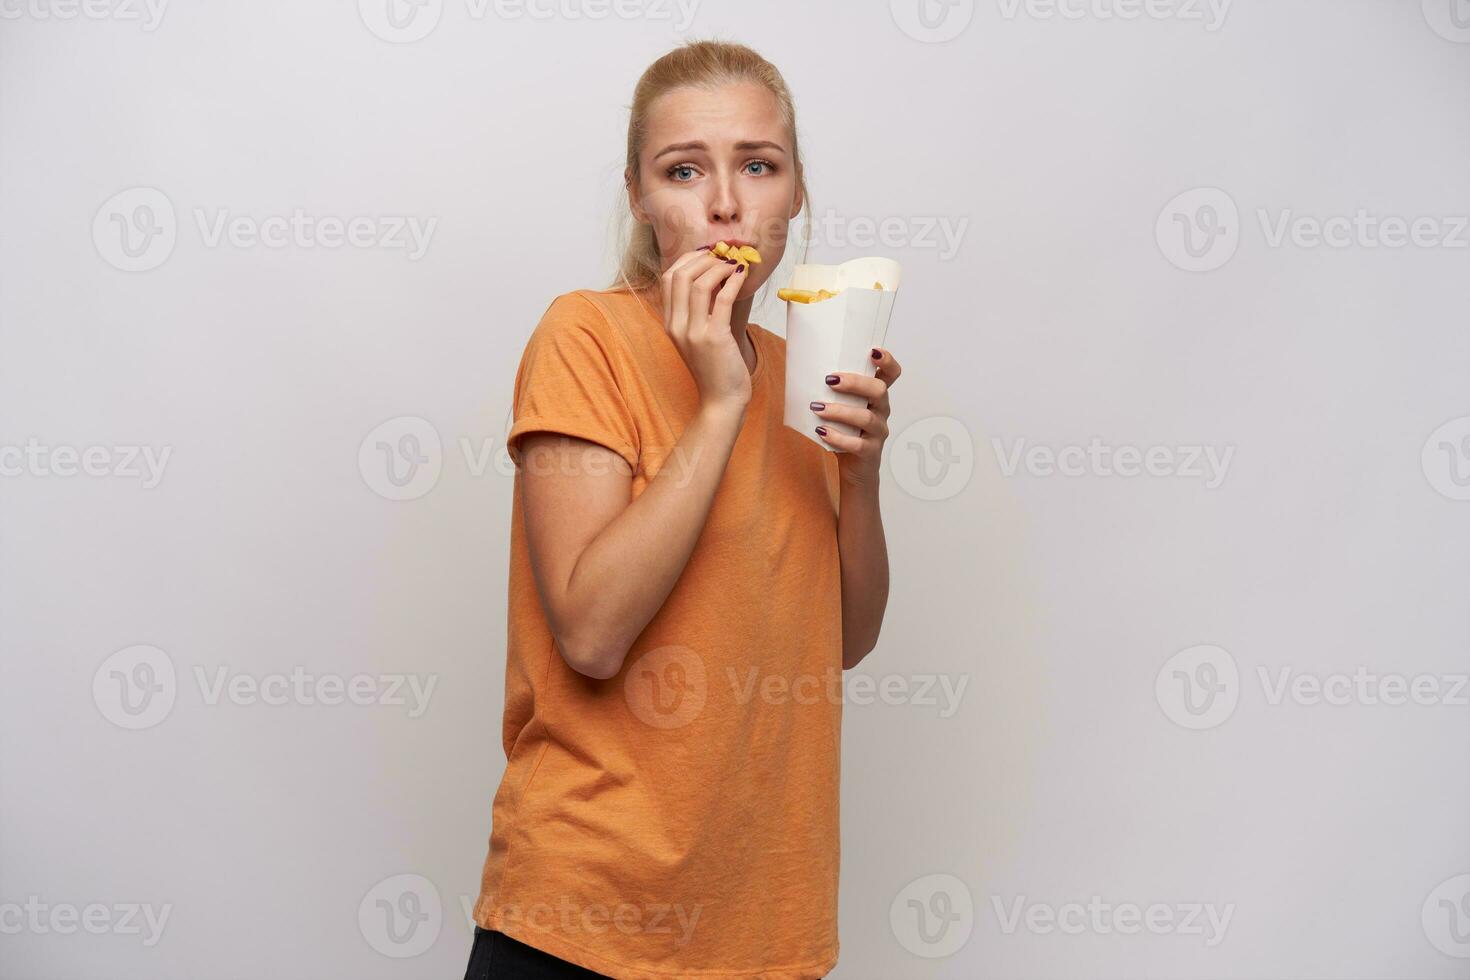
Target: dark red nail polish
[(732, 261), (740, 268), (821, 430), (832, 379), (818, 406), (877, 354), (704, 248)]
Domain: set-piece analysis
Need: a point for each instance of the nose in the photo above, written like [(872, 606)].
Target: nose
[(723, 206)]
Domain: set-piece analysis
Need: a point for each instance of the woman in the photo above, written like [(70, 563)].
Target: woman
[(688, 580)]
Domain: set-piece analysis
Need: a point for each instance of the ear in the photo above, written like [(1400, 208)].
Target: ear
[(796, 204), (635, 197)]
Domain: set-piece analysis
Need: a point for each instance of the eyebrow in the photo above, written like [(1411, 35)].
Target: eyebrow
[(742, 145)]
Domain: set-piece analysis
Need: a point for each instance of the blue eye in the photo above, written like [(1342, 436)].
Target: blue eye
[(762, 163), (678, 167)]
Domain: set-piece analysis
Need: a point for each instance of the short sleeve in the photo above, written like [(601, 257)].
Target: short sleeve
[(567, 381)]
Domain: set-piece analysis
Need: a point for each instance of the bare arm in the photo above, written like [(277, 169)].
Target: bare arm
[(864, 570), (859, 517), (604, 566)]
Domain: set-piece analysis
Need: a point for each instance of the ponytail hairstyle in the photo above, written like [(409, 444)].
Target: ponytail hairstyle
[(696, 63)]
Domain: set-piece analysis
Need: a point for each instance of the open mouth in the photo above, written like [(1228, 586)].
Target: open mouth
[(729, 241)]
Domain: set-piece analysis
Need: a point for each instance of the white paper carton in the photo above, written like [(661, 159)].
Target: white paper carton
[(836, 334)]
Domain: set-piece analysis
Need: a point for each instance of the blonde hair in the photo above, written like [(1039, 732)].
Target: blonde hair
[(704, 64)]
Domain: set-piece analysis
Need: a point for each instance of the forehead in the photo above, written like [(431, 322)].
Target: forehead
[(721, 115)]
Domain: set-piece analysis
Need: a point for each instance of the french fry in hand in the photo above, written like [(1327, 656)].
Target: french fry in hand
[(741, 253)]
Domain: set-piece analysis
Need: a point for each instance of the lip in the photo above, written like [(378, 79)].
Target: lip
[(730, 241)]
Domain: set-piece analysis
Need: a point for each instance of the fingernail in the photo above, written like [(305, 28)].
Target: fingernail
[(740, 268), (818, 406), (732, 261), (704, 248), (877, 354), (821, 430), (832, 379)]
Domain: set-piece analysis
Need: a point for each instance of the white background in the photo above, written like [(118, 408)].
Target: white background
[(1053, 141)]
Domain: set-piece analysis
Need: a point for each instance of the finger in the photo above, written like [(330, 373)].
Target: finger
[(687, 257), (667, 279), (701, 293), (851, 444), (868, 421), (888, 368), (872, 389), (725, 298), (680, 288)]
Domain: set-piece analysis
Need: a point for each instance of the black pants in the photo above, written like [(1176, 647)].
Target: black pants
[(496, 956)]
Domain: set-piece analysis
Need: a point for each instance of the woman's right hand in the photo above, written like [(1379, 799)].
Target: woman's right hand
[(699, 291)]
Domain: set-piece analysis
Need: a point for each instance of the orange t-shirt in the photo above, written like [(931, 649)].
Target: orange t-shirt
[(679, 819)]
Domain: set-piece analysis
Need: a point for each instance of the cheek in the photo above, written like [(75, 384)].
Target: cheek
[(677, 216)]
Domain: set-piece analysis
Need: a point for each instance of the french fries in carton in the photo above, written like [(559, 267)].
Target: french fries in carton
[(835, 316)]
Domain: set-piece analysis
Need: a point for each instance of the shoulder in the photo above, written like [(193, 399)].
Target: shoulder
[(601, 316)]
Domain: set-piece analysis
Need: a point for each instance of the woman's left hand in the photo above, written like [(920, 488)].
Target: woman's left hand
[(858, 463)]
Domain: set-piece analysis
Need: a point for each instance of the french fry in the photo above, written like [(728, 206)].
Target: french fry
[(804, 295), (741, 253)]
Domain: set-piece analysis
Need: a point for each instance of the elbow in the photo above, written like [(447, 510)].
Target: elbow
[(851, 658), (598, 661)]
